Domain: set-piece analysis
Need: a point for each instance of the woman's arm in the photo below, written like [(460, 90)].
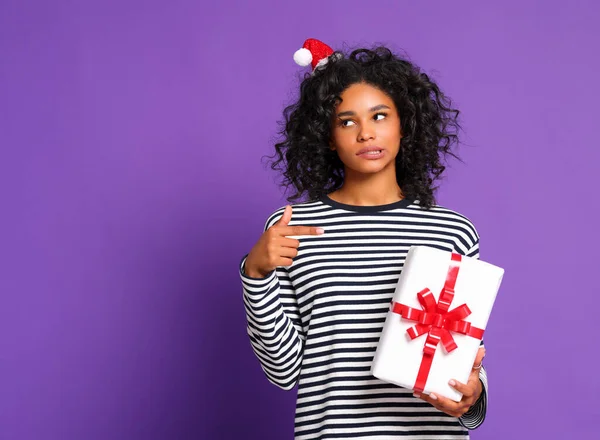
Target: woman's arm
[(273, 322)]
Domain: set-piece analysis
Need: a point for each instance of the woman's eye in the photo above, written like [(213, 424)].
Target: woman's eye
[(343, 122)]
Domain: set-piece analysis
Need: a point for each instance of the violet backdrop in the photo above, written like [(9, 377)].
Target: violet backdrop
[(131, 137)]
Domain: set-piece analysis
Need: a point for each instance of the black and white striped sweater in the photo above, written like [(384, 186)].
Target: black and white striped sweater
[(317, 322)]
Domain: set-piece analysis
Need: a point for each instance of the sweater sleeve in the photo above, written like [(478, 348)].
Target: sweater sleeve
[(475, 416), (273, 323)]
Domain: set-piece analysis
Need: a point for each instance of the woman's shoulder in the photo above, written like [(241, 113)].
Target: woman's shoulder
[(299, 210), (445, 211), (451, 218)]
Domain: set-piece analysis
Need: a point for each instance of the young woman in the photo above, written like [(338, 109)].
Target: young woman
[(364, 143)]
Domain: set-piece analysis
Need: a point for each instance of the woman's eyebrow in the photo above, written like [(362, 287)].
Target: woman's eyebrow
[(372, 109)]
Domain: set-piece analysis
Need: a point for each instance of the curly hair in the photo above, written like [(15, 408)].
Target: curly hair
[(429, 126)]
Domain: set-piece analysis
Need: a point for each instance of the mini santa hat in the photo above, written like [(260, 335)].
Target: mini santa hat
[(313, 52)]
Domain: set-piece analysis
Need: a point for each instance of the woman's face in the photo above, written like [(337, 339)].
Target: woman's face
[(366, 129)]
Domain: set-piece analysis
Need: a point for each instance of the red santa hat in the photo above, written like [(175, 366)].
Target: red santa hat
[(313, 52)]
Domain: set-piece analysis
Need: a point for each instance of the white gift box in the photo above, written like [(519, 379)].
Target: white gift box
[(398, 358)]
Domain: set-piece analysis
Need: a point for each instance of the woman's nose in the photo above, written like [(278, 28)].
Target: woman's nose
[(365, 133)]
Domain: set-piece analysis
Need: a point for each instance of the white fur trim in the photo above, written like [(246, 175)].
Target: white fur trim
[(322, 62)]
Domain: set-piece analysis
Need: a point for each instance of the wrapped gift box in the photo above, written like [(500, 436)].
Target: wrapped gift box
[(423, 349)]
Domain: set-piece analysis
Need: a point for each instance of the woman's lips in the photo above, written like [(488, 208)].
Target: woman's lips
[(371, 153)]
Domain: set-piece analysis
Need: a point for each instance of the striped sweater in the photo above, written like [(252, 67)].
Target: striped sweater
[(316, 323)]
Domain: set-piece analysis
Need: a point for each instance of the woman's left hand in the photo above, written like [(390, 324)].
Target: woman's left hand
[(471, 392)]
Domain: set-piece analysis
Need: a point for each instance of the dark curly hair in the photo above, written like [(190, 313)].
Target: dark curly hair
[(429, 125)]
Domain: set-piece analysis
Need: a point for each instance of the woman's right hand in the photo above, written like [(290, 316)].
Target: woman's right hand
[(274, 248)]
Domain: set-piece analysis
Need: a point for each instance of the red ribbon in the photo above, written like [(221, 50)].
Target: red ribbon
[(437, 321)]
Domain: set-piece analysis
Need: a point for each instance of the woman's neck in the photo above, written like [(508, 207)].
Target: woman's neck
[(368, 190)]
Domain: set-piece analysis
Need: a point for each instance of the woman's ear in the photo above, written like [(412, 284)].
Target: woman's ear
[(331, 146)]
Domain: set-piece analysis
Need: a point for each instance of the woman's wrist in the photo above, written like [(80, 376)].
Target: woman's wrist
[(252, 272)]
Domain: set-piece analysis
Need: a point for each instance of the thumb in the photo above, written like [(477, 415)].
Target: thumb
[(286, 217), (479, 357)]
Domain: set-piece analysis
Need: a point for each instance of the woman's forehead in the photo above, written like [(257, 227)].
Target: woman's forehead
[(363, 97)]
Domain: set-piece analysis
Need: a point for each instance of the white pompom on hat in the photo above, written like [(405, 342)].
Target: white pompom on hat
[(313, 52), (303, 57)]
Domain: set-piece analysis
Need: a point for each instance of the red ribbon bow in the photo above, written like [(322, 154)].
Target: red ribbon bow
[(437, 321)]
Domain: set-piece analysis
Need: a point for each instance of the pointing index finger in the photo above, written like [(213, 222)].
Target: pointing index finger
[(302, 230)]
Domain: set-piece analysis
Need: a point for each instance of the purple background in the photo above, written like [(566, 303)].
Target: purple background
[(131, 137)]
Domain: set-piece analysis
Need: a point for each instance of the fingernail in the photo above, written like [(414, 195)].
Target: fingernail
[(415, 395), (452, 383), (433, 396), (320, 231)]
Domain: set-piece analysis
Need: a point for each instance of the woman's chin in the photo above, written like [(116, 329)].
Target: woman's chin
[(373, 167)]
